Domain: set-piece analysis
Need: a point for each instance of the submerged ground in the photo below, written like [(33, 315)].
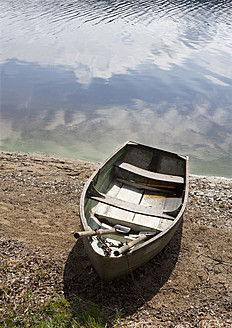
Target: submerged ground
[(187, 285)]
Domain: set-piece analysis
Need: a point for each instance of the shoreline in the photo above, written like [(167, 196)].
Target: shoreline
[(188, 283), (50, 155)]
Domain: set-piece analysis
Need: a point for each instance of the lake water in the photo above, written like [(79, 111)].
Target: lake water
[(79, 78)]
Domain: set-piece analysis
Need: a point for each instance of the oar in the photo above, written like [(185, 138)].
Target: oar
[(116, 229), (127, 247)]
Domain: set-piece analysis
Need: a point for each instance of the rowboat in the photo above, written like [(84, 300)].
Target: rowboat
[(131, 207)]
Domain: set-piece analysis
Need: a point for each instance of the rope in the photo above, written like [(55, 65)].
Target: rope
[(138, 290)]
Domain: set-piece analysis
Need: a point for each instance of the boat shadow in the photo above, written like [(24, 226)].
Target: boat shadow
[(126, 294)]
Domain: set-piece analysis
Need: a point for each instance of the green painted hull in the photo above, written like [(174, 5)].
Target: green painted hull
[(110, 196)]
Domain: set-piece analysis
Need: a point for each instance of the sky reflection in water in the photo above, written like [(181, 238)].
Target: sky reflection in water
[(81, 77)]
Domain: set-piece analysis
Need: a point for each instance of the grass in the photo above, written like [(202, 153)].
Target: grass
[(4, 266), (55, 313), (200, 229), (203, 228)]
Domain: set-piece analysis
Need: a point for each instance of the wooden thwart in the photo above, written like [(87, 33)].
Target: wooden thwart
[(119, 203), (137, 226), (148, 174)]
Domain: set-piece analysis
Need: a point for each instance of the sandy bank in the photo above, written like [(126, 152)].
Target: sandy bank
[(188, 284)]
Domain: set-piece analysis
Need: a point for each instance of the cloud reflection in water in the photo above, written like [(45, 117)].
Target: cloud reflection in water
[(81, 77)]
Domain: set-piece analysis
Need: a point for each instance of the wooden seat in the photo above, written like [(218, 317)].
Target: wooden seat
[(130, 207), (150, 175), (138, 225)]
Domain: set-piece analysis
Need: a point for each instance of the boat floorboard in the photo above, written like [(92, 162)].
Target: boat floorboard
[(143, 209), (130, 207)]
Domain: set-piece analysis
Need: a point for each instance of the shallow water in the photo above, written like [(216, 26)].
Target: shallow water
[(79, 78)]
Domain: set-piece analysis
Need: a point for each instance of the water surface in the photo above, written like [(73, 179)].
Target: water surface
[(79, 78)]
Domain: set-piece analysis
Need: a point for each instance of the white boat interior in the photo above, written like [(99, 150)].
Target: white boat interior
[(141, 189)]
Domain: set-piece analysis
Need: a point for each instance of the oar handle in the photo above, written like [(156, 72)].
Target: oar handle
[(132, 243), (90, 233)]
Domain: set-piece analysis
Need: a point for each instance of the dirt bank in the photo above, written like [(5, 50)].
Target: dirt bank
[(187, 285)]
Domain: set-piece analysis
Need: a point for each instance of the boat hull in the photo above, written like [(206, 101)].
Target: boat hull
[(92, 200), (113, 268)]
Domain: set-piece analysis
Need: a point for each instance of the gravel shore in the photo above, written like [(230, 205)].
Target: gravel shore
[(187, 285)]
